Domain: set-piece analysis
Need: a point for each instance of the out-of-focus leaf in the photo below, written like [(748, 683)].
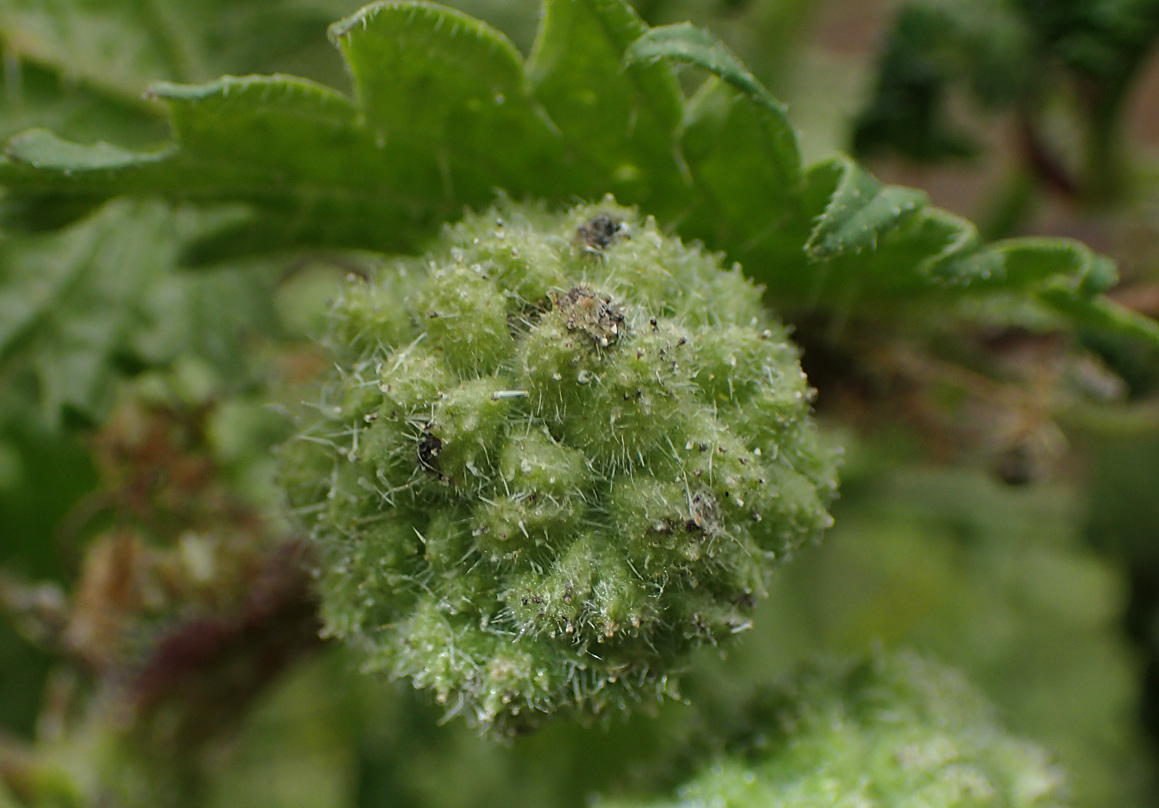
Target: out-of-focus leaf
[(993, 580), (64, 300), (1005, 54), (80, 307), (933, 49), (22, 673), (1101, 314), (120, 47), (1104, 40)]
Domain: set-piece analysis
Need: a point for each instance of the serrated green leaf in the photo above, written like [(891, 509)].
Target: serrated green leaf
[(452, 91), (743, 200), (43, 150), (686, 44), (120, 47), (1032, 261), (906, 250), (860, 209), (321, 170), (931, 252), (955, 257), (620, 122), (446, 114), (299, 153), (291, 148), (229, 119)]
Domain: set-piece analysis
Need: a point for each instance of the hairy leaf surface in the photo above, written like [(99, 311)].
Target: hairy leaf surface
[(446, 114)]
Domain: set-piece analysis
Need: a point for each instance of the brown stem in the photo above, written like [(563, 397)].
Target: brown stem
[(1042, 162)]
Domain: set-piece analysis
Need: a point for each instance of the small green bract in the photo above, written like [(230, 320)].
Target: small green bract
[(553, 455)]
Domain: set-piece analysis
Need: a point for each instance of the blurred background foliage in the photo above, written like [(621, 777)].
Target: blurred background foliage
[(998, 508)]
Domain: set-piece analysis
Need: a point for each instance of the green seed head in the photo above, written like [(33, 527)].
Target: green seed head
[(890, 730), (552, 457)]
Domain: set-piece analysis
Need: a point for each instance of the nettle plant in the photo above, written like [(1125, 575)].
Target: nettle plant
[(547, 447)]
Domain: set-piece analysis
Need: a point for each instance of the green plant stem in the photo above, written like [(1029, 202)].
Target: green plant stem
[(1104, 162), (1009, 205)]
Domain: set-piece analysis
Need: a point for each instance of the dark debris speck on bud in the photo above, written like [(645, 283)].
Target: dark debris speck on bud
[(599, 232), (593, 314), (428, 452)]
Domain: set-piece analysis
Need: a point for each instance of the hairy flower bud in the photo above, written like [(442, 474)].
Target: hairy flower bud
[(890, 730), (551, 457)]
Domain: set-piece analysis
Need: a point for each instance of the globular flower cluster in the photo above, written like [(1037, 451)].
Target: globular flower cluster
[(893, 729), (552, 456)]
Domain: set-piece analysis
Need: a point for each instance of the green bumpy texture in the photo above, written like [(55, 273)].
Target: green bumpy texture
[(552, 456), (891, 730)]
